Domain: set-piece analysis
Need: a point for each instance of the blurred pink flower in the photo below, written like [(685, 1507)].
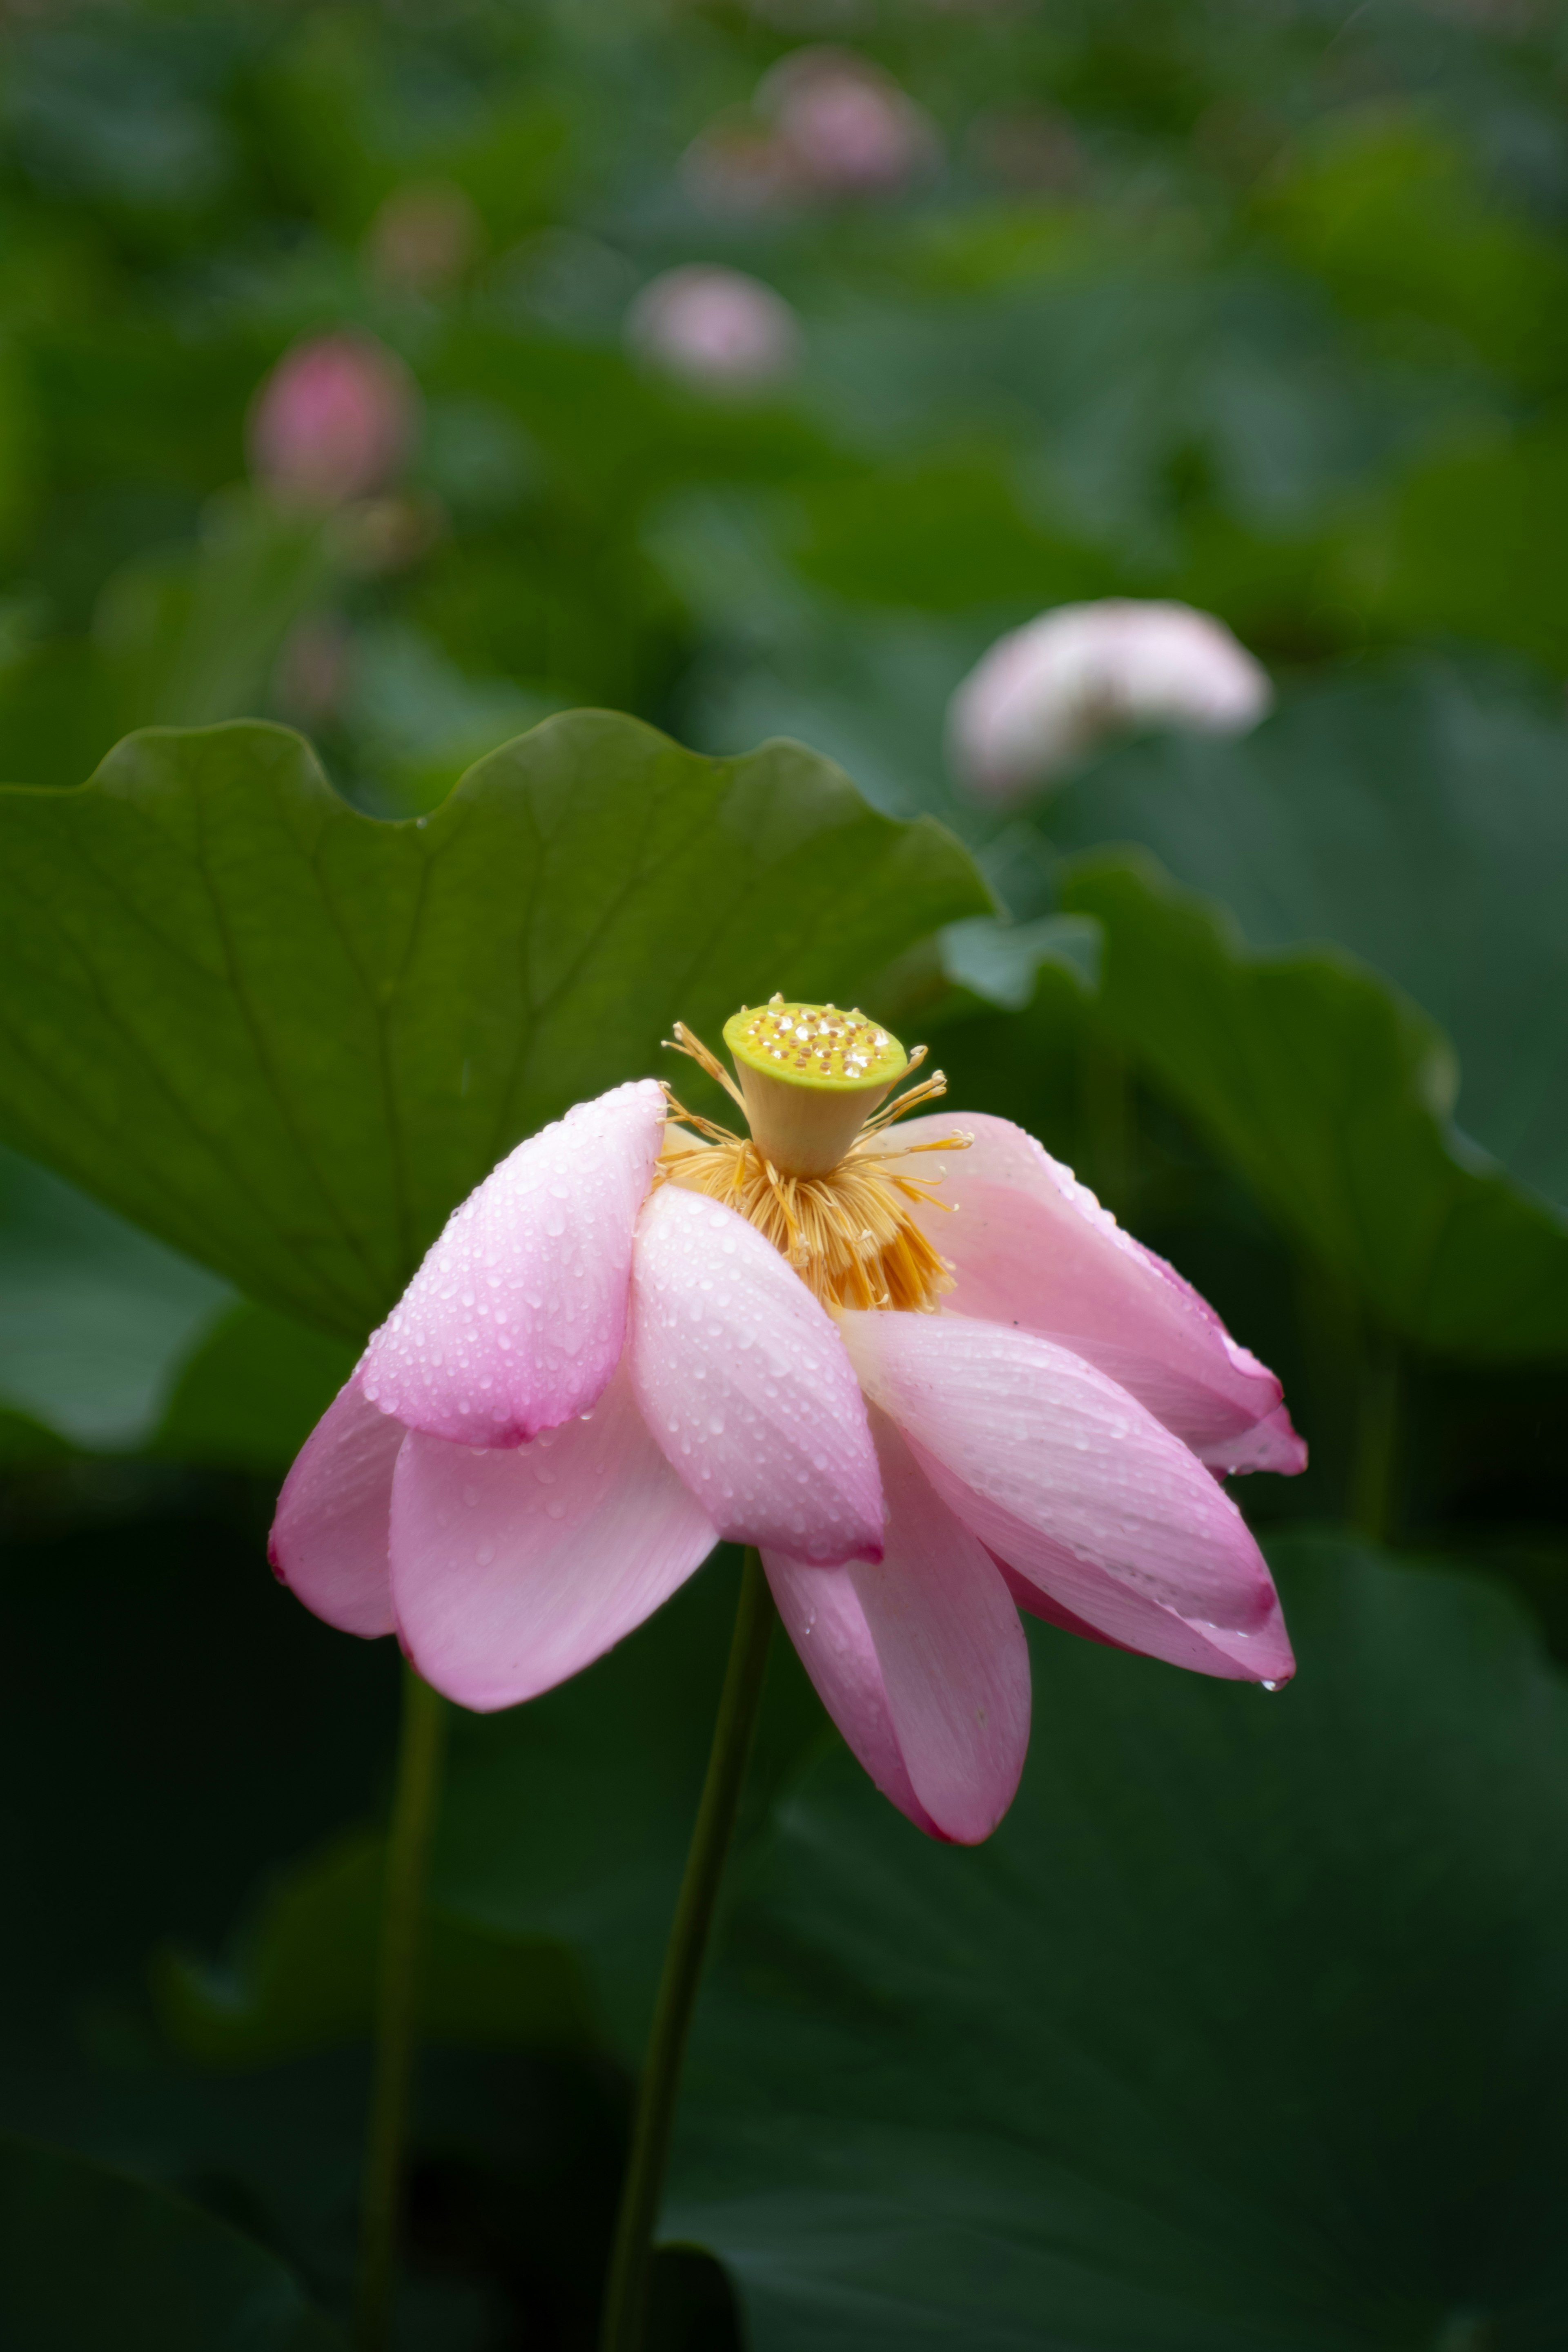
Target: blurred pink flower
[(335, 420), (1046, 694), (845, 125), (714, 328), (607, 1361)]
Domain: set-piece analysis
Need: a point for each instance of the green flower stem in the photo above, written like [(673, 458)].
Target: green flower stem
[(421, 1740), (626, 2293)]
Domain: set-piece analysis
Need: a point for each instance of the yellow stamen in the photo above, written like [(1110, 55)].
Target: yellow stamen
[(846, 1227), (686, 1041)]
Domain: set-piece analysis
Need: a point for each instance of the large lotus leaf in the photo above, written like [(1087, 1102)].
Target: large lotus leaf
[(1398, 220), (1467, 545), (303, 1975), (1419, 819), (1245, 2033), (1332, 1094), (111, 1342), (249, 1394), (288, 1038), (89, 2256), (95, 1317)]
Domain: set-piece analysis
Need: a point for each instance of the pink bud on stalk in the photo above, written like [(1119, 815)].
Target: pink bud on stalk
[(715, 327), (1045, 695), (335, 420)]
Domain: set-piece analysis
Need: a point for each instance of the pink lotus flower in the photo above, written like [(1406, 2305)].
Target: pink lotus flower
[(715, 327), (825, 125), (924, 1371), (844, 125), (335, 420)]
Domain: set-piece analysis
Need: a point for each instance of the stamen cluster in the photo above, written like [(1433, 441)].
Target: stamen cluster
[(849, 1232)]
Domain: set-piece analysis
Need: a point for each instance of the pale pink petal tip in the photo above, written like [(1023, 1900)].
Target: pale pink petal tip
[(517, 1318), (954, 1659), (512, 1570), (328, 1539), (1263, 1656), (823, 1617), (1032, 1245), (920, 1658), (745, 1384), (1271, 1443)]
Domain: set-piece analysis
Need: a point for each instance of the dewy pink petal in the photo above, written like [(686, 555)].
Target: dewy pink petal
[(517, 1316), (1057, 1469), (1270, 1444), (823, 1617), (954, 1660), (512, 1570), (1126, 1622), (1033, 1246), (743, 1382), (328, 1541)]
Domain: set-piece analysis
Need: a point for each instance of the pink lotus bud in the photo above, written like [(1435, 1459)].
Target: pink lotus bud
[(847, 126), (1046, 694), (715, 327), (335, 420)]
